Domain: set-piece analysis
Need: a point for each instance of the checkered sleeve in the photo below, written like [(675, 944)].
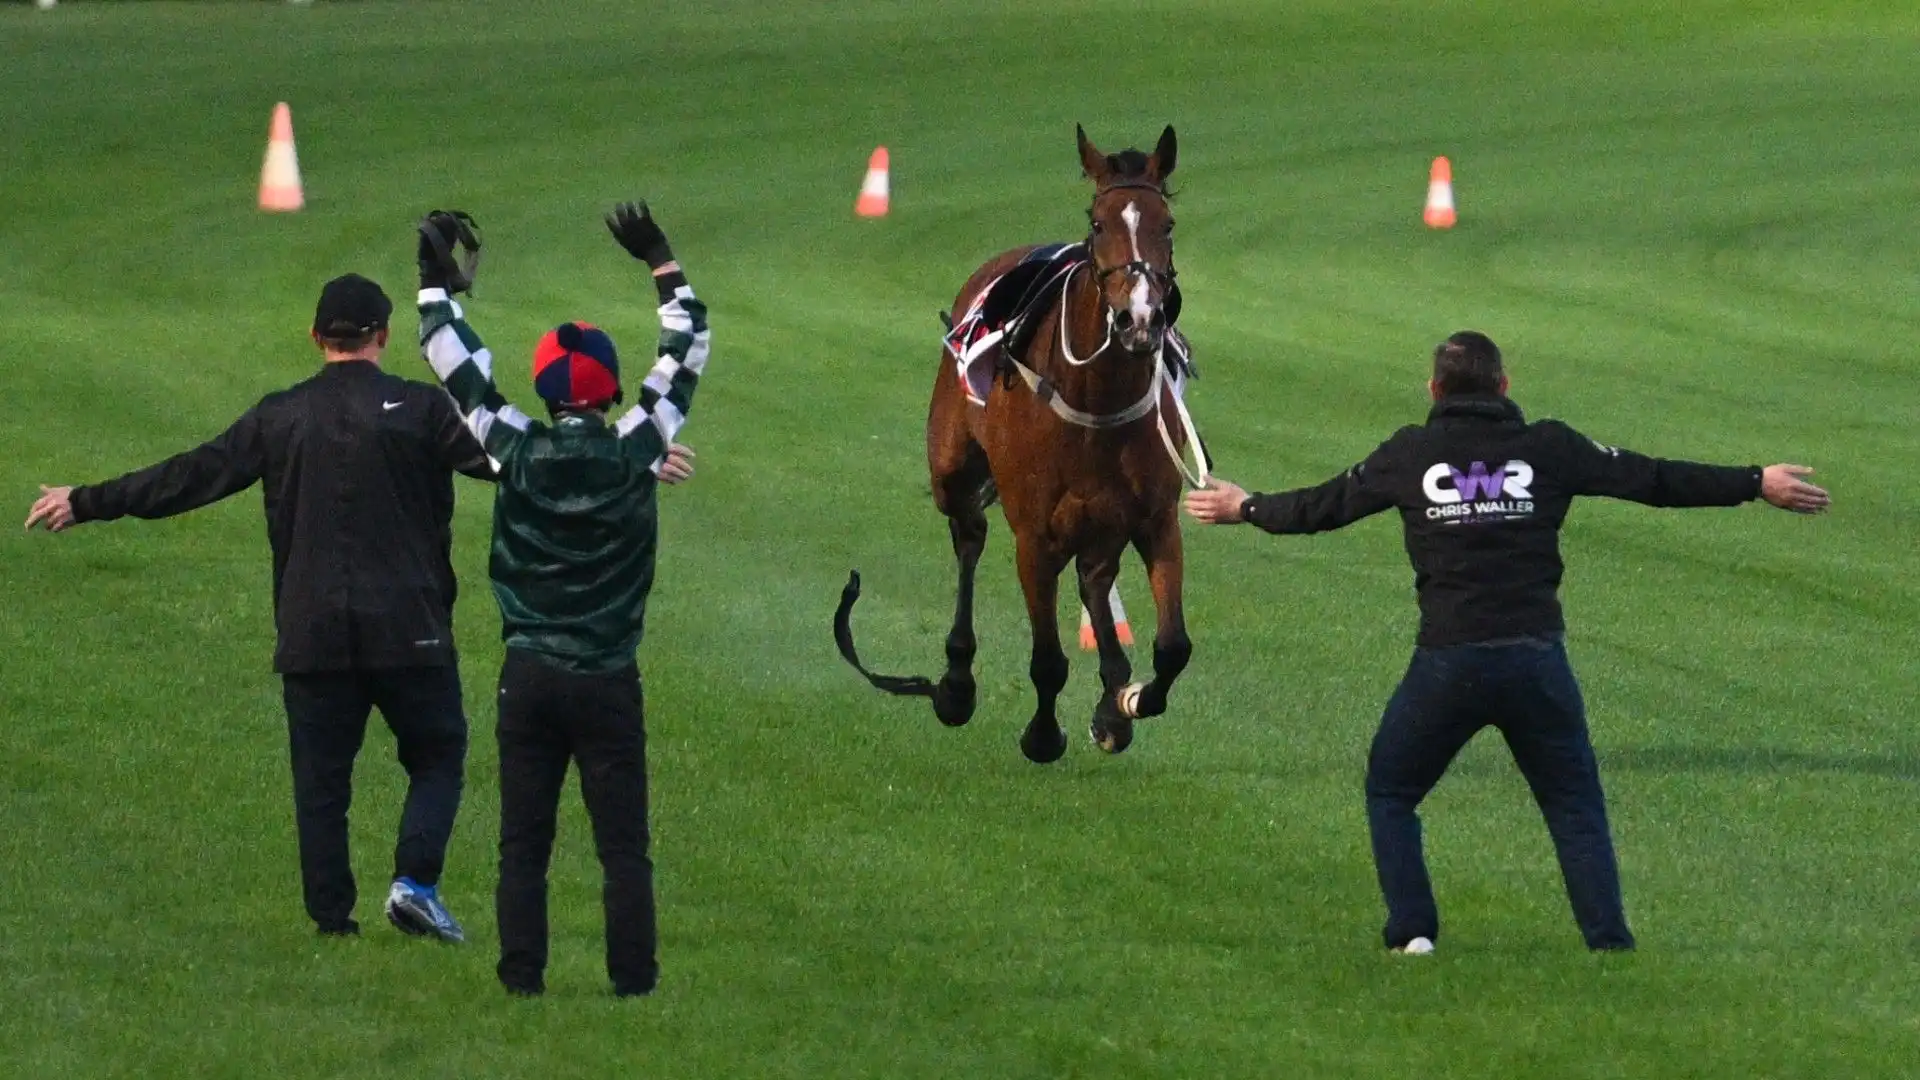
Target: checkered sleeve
[(666, 395), (463, 364)]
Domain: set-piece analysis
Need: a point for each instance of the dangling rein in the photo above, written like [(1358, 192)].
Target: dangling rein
[(1195, 477)]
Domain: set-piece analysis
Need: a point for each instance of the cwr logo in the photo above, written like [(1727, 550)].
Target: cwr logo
[(1446, 485)]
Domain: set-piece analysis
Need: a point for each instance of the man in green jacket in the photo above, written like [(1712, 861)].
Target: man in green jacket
[(574, 527)]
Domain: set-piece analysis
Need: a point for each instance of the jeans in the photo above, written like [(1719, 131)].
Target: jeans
[(1527, 690), (326, 724), (549, 716)]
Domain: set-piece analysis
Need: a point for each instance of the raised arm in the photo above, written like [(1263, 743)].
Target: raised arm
[(454, 443), (459, 359), (230, 462), (464, 365), (666, 395)]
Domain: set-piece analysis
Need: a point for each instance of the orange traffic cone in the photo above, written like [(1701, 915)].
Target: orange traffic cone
[(280, 173), (1087, 639), (875, 191), (1440, 213)]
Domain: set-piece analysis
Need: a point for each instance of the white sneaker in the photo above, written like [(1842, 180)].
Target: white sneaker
[(1417, 947)]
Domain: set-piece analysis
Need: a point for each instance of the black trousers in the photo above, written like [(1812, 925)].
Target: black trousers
[(549, 716), (326, 723), (1527, 690)]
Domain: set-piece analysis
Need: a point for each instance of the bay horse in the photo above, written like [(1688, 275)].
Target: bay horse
[(1070, 451)]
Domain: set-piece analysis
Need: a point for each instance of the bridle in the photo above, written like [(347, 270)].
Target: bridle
[(1141, 267)]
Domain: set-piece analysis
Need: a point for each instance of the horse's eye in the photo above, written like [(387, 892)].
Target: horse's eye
[(1098, 228)]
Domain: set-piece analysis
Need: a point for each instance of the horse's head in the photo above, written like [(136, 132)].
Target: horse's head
[(1130, 237)]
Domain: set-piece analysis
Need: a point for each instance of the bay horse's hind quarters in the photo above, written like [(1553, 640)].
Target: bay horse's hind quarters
[(1078, 452)]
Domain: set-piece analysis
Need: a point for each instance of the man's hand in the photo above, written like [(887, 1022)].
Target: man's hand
[(678, 465), (1217, 504), (633, 226), (1781, 485), (53, 509), (449, 251)]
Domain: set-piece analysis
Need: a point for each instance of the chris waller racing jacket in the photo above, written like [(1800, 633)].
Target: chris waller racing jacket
[(1482, 494)]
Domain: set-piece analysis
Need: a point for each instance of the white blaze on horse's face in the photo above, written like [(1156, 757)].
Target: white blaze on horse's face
[(1131, 240), (1139, 308)]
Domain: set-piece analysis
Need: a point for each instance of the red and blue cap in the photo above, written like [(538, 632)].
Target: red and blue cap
[(575, 365)]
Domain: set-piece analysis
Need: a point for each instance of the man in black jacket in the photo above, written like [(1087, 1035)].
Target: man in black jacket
[(1482, 494), (357, 467)]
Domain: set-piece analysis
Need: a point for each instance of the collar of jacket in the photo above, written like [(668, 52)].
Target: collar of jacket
[(1494, 407), (350, 367), (579, 421)]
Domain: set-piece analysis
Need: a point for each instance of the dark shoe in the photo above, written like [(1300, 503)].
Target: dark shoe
[(345, 929)]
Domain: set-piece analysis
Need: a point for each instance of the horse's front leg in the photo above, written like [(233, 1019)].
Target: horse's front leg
[(1043, 741), (1159, 544), (1110, 731)]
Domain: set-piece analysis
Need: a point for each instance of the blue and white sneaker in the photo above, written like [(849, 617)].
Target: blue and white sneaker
[(416, 909)]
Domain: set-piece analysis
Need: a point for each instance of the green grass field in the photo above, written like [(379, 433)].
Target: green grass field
[(1692, 228)]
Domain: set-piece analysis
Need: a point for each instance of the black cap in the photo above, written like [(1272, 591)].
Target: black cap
[(351, 306)]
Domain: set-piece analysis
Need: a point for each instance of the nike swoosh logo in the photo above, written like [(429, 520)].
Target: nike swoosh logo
[(391, 405)]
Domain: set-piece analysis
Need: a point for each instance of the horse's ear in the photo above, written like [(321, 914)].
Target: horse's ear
[(1161, 163), (1093, 163)]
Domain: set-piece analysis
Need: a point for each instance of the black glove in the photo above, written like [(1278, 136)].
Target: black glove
[(449, 251), (633, 225)]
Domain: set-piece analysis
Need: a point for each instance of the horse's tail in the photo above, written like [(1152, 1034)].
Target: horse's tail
[(903, 685)]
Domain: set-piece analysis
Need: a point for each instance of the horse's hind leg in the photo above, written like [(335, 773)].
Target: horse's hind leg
[(1043, 740), (1111, 731), (953, 696), (1159, 544), (962, 484)]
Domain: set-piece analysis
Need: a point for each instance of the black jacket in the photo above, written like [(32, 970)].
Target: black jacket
[(358, 470), (1482, 494)]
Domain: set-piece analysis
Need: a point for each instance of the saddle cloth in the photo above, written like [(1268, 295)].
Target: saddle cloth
[(1004, 315)]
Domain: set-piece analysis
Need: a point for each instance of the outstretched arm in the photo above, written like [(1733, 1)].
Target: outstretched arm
[(1357, 493), (666, 395), (1622, 474), (228, 463)]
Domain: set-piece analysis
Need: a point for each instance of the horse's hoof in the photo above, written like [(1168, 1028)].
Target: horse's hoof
[(1113, 735), (953, 702), (1043, 746), (1110, 731)]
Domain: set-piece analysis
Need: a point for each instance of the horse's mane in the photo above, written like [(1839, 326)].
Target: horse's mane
[(1129, 166)]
